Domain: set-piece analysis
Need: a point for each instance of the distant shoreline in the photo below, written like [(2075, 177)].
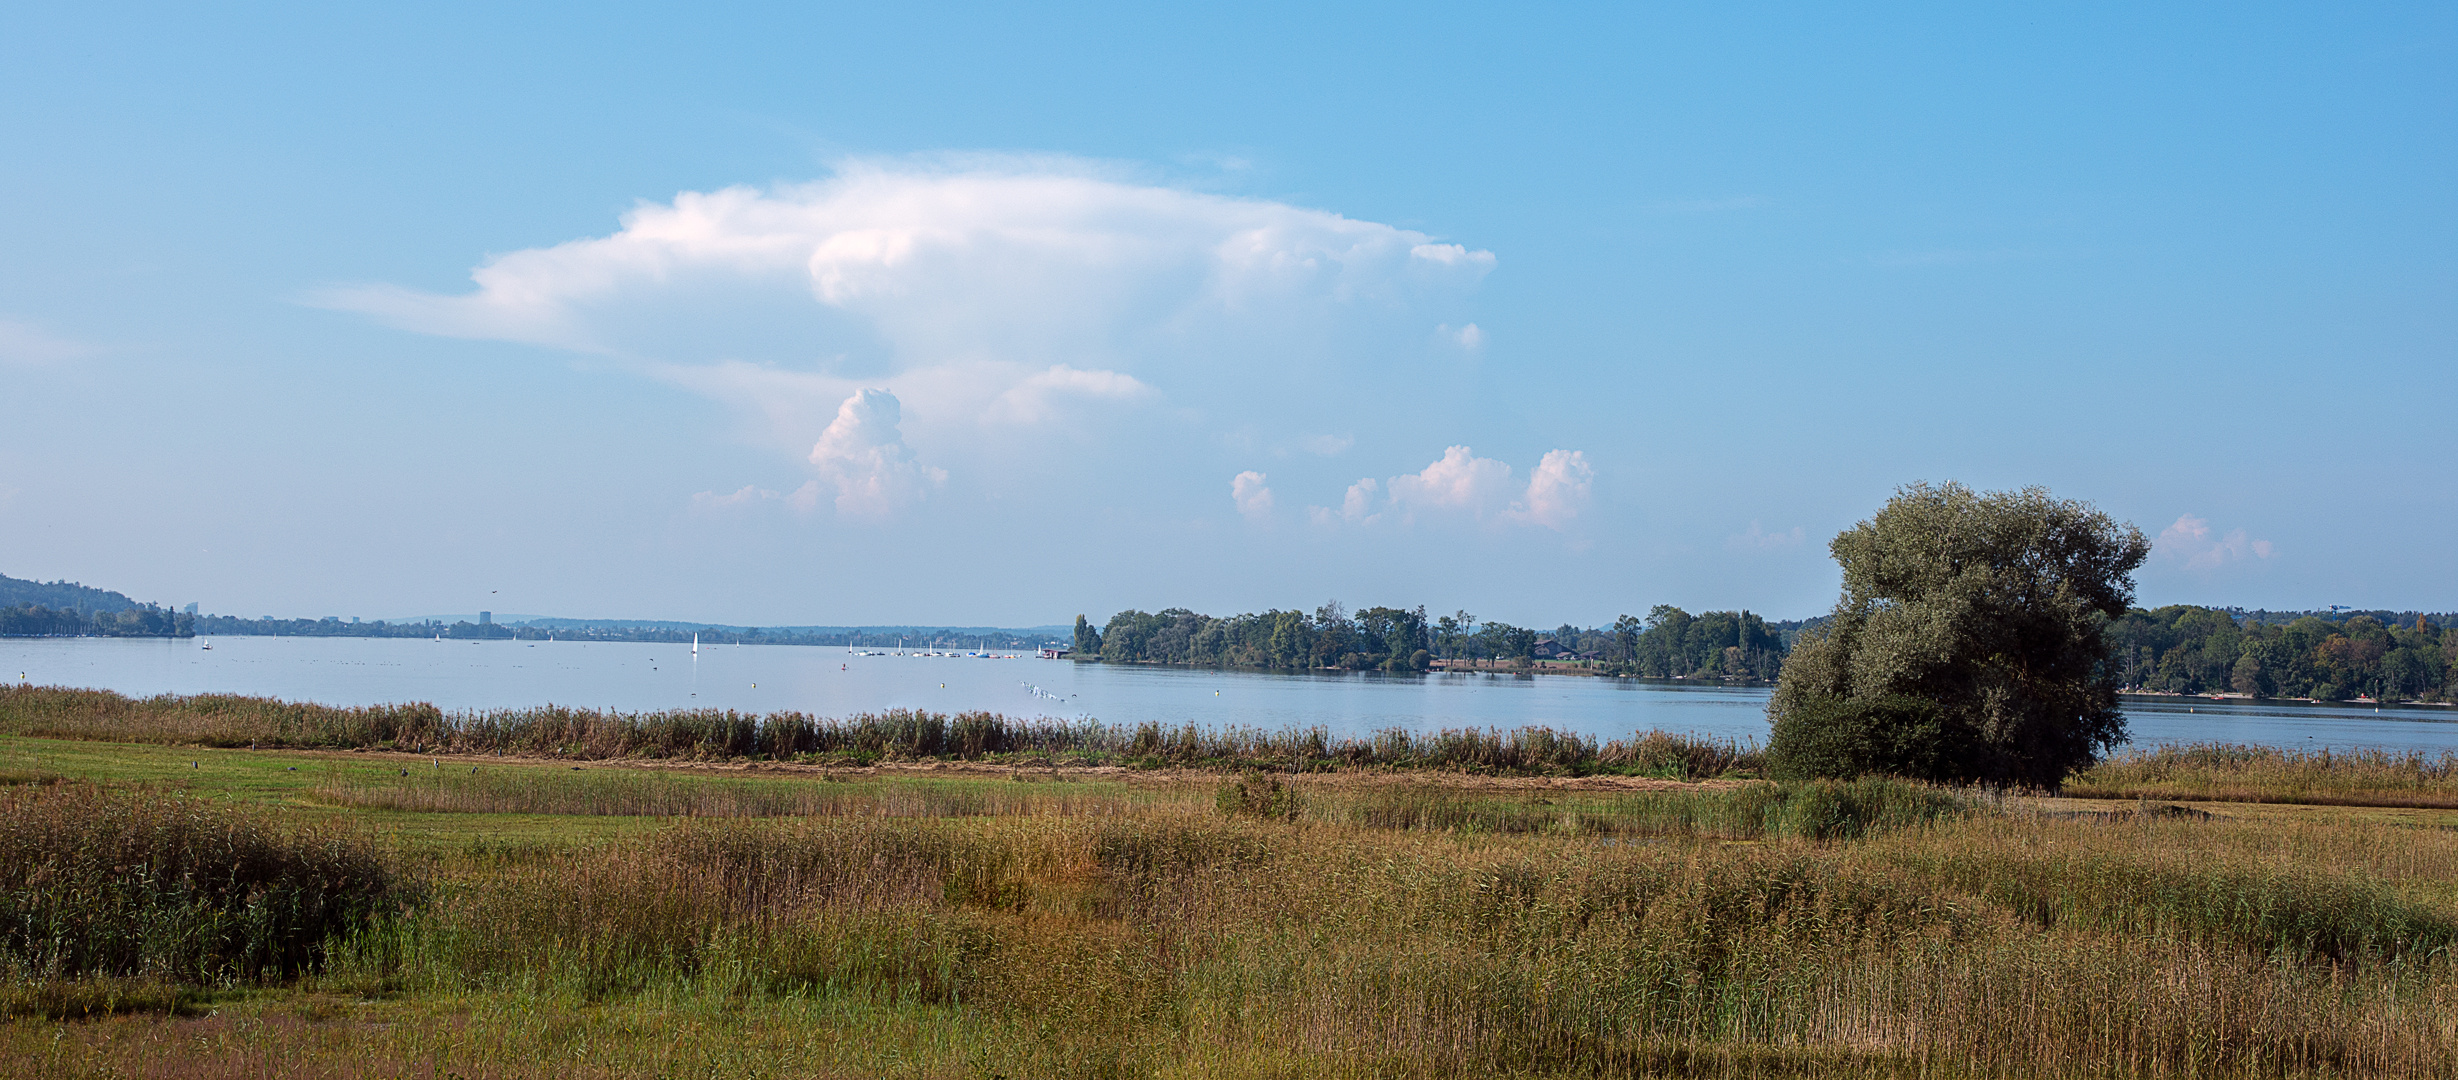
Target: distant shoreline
[(2249, 699)]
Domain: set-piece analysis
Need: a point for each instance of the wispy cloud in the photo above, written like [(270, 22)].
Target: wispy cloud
[(1949, 257), (1757, 538), (2192, 542), (23, 344), (1468, 337), (1327, 445), (1709, 206)]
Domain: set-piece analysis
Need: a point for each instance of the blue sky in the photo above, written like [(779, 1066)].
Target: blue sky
[(984, 316)]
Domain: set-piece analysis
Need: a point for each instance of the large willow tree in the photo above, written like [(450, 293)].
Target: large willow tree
[(1967, 644)]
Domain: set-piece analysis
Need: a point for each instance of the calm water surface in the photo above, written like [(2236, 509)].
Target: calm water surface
[(833, 682)]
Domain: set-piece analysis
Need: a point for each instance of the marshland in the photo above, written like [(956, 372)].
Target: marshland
[(395, 893)]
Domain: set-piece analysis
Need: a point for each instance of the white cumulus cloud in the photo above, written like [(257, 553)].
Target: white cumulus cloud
[(1557, 490), (1460, 481), (1253, 498), (864, 456), (2191, 541)]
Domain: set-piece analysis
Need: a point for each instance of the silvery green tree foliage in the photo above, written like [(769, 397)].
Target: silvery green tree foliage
[(1967, 644)]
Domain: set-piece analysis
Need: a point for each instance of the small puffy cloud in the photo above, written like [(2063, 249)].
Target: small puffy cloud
[(1483, 489), (23, 344), (864, 456), (1253, 498), (2191, 541), (1756, 538)]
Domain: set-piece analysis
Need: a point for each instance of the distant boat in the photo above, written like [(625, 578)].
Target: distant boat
[(203, 644), (695, 644)]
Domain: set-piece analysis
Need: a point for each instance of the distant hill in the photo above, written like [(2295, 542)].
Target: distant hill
[(18, 592)]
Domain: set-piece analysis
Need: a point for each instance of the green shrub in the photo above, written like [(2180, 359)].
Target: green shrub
[(1830, 737), (1255, 795)]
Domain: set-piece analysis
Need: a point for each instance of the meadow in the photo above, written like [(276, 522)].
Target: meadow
[(176, 909)]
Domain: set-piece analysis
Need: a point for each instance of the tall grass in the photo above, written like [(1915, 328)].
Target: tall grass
[(1813, 810), (1178, 940), (897, 735), (1336, 925), (2228, 772)]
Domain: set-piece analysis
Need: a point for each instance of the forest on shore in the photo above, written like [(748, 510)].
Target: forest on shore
[(2337, 656), (1669, 643), (2183, 649)]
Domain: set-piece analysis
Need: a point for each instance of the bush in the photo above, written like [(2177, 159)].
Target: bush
[(159, 886), (1830, 737), (1255, 795)]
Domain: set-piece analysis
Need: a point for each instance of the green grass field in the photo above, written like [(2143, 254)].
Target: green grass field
[(180, 911)]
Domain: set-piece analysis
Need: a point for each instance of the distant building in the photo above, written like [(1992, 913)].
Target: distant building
[(1548, 649), (486, 618), (191, 609)]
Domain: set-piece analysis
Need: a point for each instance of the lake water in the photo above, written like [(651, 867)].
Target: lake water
[(833, 682)]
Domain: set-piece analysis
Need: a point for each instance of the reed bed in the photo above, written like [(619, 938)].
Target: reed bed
[(163, 887), (1819, 810), (573, 734), (519, 789), (2228, 772)]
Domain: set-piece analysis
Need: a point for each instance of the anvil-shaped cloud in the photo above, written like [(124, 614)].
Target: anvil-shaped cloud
[(990, 295)]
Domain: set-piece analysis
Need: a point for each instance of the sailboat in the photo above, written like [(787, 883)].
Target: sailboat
[(695, 644)]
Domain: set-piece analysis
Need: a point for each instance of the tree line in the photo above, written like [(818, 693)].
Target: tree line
[(144, 620), (1668, 643), (2385, 656)]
